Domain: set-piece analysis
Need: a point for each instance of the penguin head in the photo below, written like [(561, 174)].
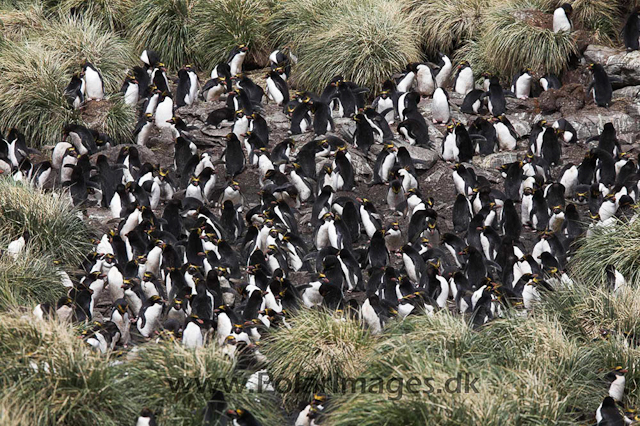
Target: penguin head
[(463, 64), (243, 47), (567, 9)]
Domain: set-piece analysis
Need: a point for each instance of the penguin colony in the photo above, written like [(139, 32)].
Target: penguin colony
[(191, 260)]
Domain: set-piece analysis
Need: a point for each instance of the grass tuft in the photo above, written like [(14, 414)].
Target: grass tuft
[(618, 246), (29, 279), (49, 376), (601, 18), (227, 23), (16, 22), (168, 27), (447, 24), (513, 40), (48, 216), (371, 41), (190, 377), (78, 39), (527, 369), (34, 73), (113, 14), (32, 83), (318, 352)]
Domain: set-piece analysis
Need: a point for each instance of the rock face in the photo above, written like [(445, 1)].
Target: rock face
[(495, 160), (626, 67), (599, 54)]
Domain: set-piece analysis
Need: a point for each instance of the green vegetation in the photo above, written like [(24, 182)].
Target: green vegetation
[(601, 18), (320, 349), (112, 13), (53, 225), (447, 24), (617, 246), (36, 68), (228, 23), (166, 26), (381, 41), (29, 279), (49, 375), (511, 42)]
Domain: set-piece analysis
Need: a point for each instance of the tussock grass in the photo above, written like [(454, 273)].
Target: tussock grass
[(227, 23), (78, 39), (49, 376), (619, 246), (293, 21), (447, 24), (190, 377), (29, 279), (168, 27), (112, 117), (16, 22), (34, 73), (48, 216), (32, 83), (113, 14), (318, 352), (596, 313), (602, 18), (509, 43), (528, 371), (371, 41)]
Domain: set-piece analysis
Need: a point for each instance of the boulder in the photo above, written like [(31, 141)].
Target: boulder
[(624, 69), (495, 160), (625, 118), (629, 92), (599, 54)]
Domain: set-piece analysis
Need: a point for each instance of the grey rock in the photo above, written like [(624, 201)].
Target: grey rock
[(630, 92), (495, 160), (599, 54), (624, 68), (589, 122)]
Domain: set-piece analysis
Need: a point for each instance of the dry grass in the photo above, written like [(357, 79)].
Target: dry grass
[(319, 351), (381, 40), (228, 24), (447, 24)]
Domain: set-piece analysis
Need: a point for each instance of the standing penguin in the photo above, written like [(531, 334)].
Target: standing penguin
[(234, 160), (236, 59), (187, 87), (164, 111), (425, 83), (130, 89), (631, 31), (75, 90), (561, 17), (601, 86), (440, 106), (521, 86), (464, 82), (472, 102), (94, 86), (443, 74), (277, 89), (497, 104), (143, 129)]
